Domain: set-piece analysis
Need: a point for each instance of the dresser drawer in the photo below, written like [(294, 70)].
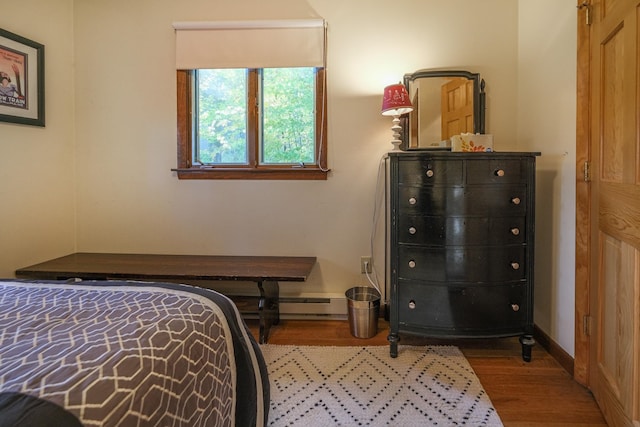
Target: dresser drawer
[(499, 200), (441, 231), (450, 309), (475, 264), (495, 171), (430, 171)]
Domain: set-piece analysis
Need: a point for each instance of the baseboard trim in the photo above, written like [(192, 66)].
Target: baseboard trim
[(562, 357)]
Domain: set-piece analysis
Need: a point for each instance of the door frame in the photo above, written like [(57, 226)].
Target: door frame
[(583, 197)]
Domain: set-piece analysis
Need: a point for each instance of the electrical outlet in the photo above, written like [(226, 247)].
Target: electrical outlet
[(365, 264)]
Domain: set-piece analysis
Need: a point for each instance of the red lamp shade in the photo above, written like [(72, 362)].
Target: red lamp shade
[(395, 100)]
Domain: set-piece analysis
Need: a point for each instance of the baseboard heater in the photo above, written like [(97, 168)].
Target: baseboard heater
[(304, 300), (324, 306), (313, 306)]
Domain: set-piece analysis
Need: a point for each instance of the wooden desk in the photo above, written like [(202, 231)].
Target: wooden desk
[(265, 271)]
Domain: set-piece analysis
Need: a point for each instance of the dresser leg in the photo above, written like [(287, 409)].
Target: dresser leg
[(527, 343), (393, 344)]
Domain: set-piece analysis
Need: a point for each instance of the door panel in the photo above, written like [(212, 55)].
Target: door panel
[(615, 358), (612, 106)]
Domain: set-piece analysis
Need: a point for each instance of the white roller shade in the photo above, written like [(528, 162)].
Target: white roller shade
[(250, 44)]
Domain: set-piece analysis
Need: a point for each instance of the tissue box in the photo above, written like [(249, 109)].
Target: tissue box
[(470, 142)]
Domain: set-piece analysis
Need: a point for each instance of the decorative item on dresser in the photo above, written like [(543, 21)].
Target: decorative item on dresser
[(461, 245)]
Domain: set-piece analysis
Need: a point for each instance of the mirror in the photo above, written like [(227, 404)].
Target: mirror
[(445, 103)]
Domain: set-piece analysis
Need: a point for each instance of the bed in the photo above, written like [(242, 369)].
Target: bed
[(122, 353)]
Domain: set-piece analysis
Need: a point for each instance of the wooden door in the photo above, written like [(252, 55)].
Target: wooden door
[(456, 100), (614, 244)]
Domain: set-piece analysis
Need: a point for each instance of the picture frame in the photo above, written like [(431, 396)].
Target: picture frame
[(21, 80)]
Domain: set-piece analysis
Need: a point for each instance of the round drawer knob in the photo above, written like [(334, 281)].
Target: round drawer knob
[(515, 231), (430, 173), (515, 307), (515, 265), (412, 230), (515, 200), (412, 304), (499, 172), (412, 264), (413, 201)]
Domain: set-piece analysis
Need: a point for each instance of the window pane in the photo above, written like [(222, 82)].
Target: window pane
[(288, 127), (222, 117)]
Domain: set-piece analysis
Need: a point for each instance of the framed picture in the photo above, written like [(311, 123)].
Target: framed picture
[(21, 80)]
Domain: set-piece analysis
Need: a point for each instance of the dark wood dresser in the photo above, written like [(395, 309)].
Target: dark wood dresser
[(461, 245)]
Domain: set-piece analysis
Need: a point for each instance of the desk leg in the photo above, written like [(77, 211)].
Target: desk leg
[(268, 308)]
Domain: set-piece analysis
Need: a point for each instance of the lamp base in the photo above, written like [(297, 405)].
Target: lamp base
[(396, 145), (396, 129)]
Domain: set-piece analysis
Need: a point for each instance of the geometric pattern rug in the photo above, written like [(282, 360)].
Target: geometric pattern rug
[(363, 386)]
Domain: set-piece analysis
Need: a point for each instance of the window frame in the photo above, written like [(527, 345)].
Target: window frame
[(253, 170)]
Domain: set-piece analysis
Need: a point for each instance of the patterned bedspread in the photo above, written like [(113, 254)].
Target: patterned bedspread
[(127, 354)]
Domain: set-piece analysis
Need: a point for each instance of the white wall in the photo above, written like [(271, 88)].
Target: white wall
[(37, 203), (130, 201), (547, 123), (120, 81)]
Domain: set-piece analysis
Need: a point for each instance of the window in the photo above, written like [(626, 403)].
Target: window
[(282, 136), (251, 99)]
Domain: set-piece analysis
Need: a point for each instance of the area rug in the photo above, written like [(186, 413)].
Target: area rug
[(364, 386)]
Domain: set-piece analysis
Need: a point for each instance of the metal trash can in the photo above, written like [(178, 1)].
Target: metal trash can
[(363, 308)]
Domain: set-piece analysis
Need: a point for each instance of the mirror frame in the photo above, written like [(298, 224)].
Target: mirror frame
[(479, 100)]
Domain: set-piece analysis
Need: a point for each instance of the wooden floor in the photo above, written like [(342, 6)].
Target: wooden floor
[(536, 394)]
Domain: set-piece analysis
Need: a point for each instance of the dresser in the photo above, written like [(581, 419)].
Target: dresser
[(461, 245)]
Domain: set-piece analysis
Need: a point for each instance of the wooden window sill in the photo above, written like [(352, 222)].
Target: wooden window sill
[(249, 174)]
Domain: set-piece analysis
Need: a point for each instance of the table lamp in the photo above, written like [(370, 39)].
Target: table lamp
[(395, 102)]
